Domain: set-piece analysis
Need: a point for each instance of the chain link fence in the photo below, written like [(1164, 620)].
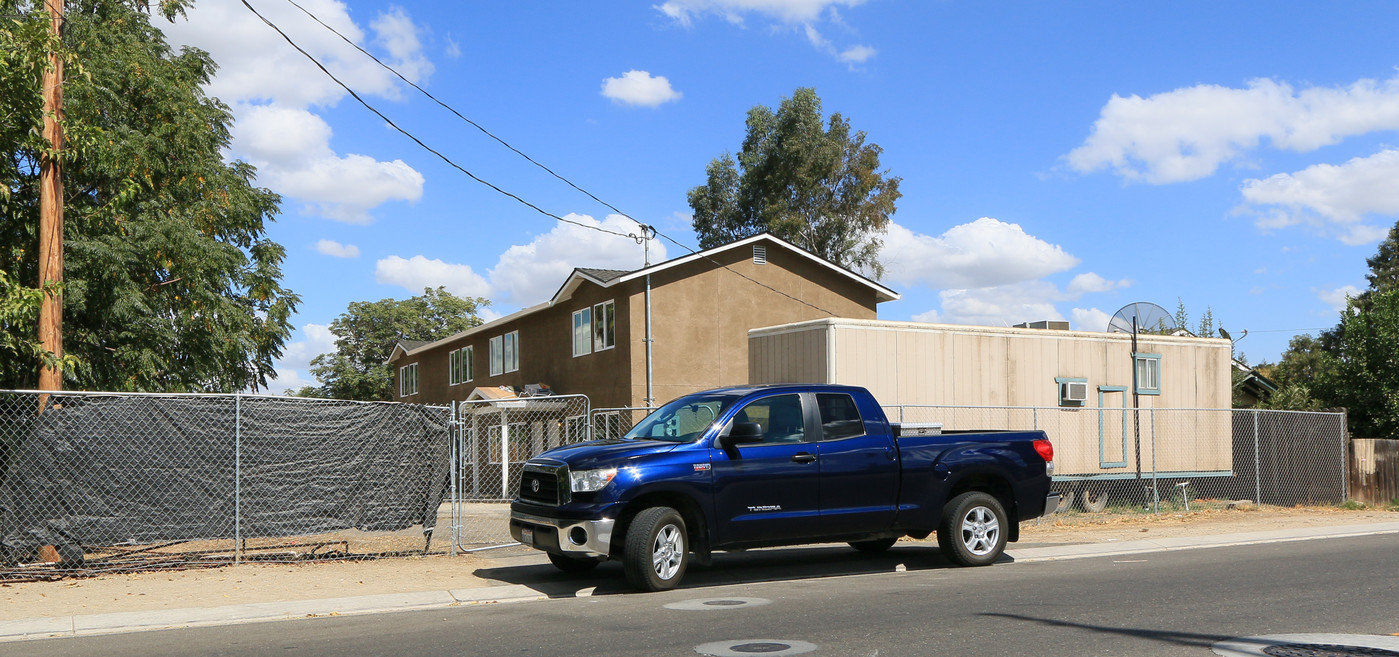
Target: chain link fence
[(93, 483), (1173, 460)]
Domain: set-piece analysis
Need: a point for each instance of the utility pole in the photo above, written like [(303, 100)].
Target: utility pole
[(51, 209)]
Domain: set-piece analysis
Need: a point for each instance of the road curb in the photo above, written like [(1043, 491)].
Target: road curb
[(136, 621), (1085, 550)]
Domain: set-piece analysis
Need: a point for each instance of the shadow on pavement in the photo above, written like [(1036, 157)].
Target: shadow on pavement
[(747, 567)]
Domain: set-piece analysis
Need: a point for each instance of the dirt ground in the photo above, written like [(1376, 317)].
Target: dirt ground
[(285, 582)]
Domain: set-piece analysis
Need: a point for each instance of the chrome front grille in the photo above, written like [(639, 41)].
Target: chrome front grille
[(544, 482)]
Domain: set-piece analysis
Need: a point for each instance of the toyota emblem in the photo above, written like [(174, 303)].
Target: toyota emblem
[(534, 485)]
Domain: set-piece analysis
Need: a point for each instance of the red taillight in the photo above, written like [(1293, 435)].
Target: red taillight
[(1045, 449)]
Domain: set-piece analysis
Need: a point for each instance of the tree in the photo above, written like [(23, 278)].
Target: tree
[(812, 183), (1366, 378), (170, 281), (367, 332)]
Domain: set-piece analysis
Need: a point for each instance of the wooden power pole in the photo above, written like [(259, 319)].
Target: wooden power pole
[(51, 209)]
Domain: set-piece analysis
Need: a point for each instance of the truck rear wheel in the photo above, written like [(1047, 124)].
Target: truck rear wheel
[(656, 551), (972, 532)]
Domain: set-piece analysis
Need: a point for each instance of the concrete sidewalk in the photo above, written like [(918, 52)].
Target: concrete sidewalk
[(496, 591)]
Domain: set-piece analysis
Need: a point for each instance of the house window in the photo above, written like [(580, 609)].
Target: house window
[(1073, 392), (604, 326), (575, 429), (505, 353), (461, 366), (1148, 374), (583, 332), (408, 380)]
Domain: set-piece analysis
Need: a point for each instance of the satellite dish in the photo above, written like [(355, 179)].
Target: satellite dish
[(1142, 317)]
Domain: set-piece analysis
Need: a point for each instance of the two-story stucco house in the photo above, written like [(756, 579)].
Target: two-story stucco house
[(591, 336)]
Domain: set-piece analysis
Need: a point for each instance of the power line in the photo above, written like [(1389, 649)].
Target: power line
[(415, 139), (459, 115)]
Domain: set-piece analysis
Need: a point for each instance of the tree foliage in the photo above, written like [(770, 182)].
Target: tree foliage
[(367, 332), (814, 183), (170, 283)]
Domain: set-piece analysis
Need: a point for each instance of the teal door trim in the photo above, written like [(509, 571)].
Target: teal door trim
[(1102, 428)]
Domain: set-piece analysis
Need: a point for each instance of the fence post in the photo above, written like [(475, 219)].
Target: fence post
[(504, 455), (454, 444), (1257, 468), (1155, 489), (237, 477)]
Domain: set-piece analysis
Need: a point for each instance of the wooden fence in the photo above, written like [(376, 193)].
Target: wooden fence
[(1374, 470)]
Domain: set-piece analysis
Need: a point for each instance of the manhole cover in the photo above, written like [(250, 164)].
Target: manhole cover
[(760, 647), (711, 604), (1321, 650), (771, 647), (1309, 645)]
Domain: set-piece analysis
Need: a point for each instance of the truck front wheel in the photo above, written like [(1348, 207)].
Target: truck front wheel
[(972, 532), (656, 550)]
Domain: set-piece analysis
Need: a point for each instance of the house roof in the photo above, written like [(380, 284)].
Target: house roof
[(610, 277), (406, 346)]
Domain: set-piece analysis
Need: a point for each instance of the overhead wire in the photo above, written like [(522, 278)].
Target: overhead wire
[(645, 227), (414, 138)]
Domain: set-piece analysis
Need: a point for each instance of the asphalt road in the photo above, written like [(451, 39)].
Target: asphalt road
[(907, 602)]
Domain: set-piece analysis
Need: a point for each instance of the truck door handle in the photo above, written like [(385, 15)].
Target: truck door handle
[(803, 457)]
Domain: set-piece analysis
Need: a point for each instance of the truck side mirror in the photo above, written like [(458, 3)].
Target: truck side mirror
[(740, 433)]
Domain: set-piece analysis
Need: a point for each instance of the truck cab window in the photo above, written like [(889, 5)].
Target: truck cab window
[(840, 417), (780, 417)]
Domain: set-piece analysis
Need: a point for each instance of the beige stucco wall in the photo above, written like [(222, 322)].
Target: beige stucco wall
[(905, 363)]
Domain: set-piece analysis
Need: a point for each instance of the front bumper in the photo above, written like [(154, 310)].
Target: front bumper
[(591, 538)]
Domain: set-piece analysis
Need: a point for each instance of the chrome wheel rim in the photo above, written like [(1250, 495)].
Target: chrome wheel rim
[(667, 551), (980, 531)]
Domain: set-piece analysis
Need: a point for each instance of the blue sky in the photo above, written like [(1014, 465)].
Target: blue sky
[(1059, 160)]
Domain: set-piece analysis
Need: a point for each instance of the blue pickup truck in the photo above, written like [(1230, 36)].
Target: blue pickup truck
[(761, 466)]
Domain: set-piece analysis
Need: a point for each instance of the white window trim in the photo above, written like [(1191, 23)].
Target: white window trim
[(1155, 369), (513, 340), (461, 366), (406, 374), (601, 318), (497, 355), (588, 348)]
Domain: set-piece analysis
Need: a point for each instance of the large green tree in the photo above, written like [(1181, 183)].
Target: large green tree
[(1366, 377), (366, 333), (170, 282), (812, 182)]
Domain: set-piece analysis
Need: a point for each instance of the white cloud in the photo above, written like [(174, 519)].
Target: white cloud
[(1005, 305), (1089, 319), (1187, 133), (272, 89), (527, 274), (798, 14), (294, 366), (1091, 283), (336, 249), (984, 253), (1336, 298), (417, 273), (640, 88), (1341, 195), (788, 11), (930, 317)]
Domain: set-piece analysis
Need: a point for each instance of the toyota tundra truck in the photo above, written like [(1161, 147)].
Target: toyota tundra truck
[(762, 466)]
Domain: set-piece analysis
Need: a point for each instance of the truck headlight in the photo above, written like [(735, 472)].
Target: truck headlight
[(588, 481)]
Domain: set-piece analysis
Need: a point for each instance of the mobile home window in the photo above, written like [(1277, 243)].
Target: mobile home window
[(604, 325), (582, 332), (408, 380), (1148, 374)]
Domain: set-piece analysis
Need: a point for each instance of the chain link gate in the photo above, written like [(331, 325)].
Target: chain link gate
[(1170, 460), (493, 440)]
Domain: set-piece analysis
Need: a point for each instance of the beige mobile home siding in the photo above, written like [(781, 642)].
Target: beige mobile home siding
[(906, 363)]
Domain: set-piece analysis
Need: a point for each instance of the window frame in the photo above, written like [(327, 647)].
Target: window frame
[(461, 365), (405, 374), (496, 345), (605, 325), (512, 351), (1152, 362), (579, 346), (821, 413)]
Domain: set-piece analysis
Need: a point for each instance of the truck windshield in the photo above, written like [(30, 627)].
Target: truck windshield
[(683, 420)]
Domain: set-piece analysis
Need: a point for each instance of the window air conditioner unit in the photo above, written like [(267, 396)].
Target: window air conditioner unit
[(1073, 391)]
